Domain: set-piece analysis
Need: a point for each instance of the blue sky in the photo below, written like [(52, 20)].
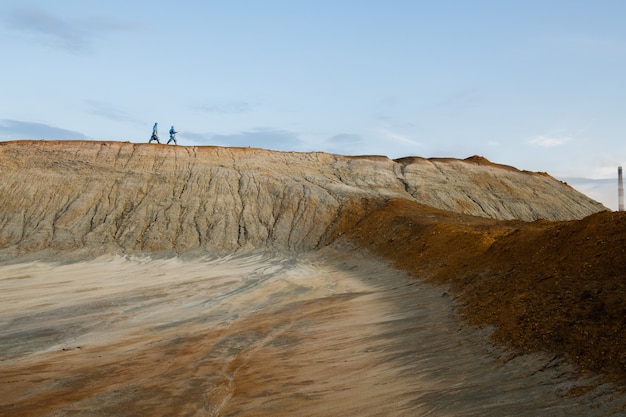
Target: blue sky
[(539, 85)]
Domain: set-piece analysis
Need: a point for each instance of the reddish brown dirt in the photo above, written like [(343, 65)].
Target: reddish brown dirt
[(557, 287)]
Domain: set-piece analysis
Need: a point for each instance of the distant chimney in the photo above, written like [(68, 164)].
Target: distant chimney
[(620, 189)]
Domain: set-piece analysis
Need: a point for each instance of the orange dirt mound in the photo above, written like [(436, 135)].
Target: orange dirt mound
[(544, 286)]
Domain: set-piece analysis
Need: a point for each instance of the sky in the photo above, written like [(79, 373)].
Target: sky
[(538, 85)]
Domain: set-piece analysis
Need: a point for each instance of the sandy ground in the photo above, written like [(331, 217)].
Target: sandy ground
[(322, 334)]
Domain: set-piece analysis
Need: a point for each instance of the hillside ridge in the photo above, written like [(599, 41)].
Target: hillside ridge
[(106, 196)]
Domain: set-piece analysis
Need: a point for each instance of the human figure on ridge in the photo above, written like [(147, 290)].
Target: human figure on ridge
[(172, 136), (155, 134)]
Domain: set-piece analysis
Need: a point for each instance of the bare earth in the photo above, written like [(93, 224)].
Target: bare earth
[(321, 334), (142, 279)]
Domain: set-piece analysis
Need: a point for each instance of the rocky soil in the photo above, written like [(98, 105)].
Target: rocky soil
[(524, 253)]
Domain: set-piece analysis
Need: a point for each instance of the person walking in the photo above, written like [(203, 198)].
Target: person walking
[(155, 134), (172, 136)]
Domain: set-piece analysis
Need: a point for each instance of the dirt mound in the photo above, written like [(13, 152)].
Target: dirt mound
[(558, 287), (110, 196), (552, 285)]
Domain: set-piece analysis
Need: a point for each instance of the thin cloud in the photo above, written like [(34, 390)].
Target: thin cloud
[(344, 143), (107, 111), (75, 36), (345, 139), (46, 28), (548, 141), (397, 137), (17, 129)]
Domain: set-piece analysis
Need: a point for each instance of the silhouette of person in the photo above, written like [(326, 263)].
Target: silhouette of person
[(155, 134), (172, 136)]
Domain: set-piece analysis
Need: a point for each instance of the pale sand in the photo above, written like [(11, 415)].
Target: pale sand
[(322, 334)]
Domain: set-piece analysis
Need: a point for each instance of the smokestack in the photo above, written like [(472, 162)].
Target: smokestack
[(620, 189)]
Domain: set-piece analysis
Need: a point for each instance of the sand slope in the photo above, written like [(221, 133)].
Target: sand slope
[(321, 335)]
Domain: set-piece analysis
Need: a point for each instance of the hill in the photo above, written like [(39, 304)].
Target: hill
[(527, 254), (111, 196)]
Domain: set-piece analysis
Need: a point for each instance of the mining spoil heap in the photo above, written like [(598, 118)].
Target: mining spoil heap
[(141, 279)]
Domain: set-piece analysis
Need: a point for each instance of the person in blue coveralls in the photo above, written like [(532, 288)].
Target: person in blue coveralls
[(172, 136), (155, 134)]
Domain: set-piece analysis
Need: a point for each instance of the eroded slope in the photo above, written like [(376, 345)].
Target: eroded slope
[(111, 196)]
